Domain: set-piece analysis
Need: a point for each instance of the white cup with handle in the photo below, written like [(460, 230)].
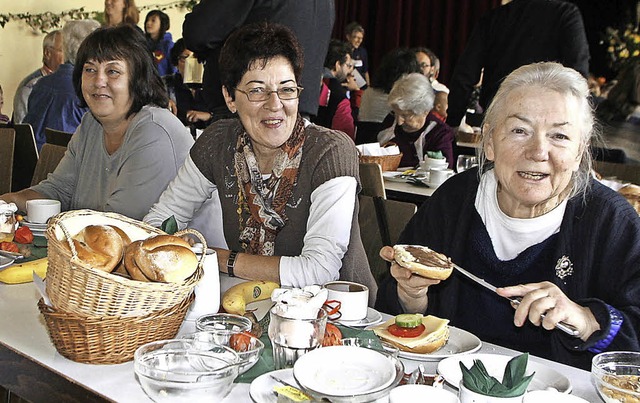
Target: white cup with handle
[(40, 210), (353, 298), (437, 175)]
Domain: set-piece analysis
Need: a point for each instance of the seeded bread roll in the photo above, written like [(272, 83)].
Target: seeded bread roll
[(423, 261)]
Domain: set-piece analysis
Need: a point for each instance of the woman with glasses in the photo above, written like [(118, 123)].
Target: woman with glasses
[(287, 189)]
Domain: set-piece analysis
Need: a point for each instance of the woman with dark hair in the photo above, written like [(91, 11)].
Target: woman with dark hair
[(160, 42), (128, 147), (189, 102), (118, 12), (287, 188)]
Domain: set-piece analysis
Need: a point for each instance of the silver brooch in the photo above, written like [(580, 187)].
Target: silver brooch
[(564, 267)]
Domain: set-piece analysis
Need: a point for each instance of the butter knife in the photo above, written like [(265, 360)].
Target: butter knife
[(11, 255), (565, 327)]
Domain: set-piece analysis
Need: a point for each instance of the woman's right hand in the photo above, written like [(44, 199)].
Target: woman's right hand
[(412, 288)]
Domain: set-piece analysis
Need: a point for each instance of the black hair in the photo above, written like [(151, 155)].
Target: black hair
[(394, 65), (164, 23), (257, 44), (127, 43), (337, 52), (176, 51)]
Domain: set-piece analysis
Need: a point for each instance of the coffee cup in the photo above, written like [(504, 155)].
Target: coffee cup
[(353, 298), (40, 210), (438, 176), (429, 163)]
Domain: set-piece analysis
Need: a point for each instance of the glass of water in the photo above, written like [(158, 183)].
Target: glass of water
[(292, 337), (466, 162)]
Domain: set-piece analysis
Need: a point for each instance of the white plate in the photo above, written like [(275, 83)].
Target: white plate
[(5, 262), (460, 342), (373, 318), (261, 389), (344, 371), (543, 379), (392, 176), (33, 225)]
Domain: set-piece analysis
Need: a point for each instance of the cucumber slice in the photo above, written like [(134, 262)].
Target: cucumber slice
[(409, 320)]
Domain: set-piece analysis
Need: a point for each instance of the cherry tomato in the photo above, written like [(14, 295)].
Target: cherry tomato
[(240, 342), (23, 235), (406, 331), (332, 336), (9, 247)]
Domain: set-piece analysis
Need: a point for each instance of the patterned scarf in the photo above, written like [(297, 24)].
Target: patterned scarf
[(261, 203)]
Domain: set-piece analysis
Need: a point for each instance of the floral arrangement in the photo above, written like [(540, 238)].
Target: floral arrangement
[(48, 21), (623, 46)]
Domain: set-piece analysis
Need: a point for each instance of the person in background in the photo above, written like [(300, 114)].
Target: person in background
[(189, 102), (287, 188), (512, 35), (52, 58), (118, 12), (532, 221), (3, 118), (211, 21), (156, 25), (430, 65), (129, 146), (354, 32), (417, 129), (440, 106), (335, 107), (53, 102)]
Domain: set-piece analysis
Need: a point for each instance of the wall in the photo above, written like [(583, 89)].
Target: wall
[(21, 48)]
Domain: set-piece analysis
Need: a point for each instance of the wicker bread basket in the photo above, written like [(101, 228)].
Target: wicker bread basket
[(75, 287), (109, 339), (386, 162), (465, 137)]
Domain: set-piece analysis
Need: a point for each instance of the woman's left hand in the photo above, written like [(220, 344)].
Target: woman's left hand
[(546, 298), (195, 116)]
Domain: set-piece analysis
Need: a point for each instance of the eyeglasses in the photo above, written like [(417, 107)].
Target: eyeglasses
[(423, 65), (260, 94)]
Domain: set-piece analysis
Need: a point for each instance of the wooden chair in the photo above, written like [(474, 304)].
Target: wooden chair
[(50, 157), (57, 137), (25, 157), (371, 180), (381, 222), (7, 141), (623, 172)]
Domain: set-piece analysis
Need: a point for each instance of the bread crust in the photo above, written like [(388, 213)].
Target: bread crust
[(99, 246), (440, 269), (431, 340), (423, 349), (163, 258)]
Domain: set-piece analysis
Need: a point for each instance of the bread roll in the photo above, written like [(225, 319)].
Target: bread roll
[(99, 246), (632, 194), (423, 261), (120, 269), (435, 335), (163, 258)]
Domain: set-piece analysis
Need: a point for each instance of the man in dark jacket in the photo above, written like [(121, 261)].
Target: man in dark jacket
[(206, 28), (518, 33)]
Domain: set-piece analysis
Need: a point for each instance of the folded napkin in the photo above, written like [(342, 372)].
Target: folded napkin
[(375, 149), (299, 303)]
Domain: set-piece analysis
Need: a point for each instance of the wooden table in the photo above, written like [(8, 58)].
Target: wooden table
[(31, 367)]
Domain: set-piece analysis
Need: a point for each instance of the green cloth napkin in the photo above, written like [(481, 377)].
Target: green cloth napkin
[(435, 154), (265, 362)]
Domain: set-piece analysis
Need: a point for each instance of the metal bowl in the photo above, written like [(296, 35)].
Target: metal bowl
[(181, 370)]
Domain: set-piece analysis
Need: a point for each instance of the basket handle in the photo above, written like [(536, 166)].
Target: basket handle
[(72, 246), (200, 237)]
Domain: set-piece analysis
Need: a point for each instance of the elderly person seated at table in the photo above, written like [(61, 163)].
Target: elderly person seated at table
[(287, 188), (533, 222), (128, 147), (416, 129)]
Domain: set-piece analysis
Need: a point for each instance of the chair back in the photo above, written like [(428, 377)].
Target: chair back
[(371, 180), (57, 137), (25, 157), (7, 141), (50, 157), (623, 172), (381, 222), (367, 132)]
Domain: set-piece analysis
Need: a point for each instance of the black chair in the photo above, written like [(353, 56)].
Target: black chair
[(25, 157), (57, 137), (367, 132), (7, 141)]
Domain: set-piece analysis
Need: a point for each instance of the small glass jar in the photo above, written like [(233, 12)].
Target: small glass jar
[(8, 223)]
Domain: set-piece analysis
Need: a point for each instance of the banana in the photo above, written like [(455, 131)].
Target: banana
[(236, 298), (23, 272)]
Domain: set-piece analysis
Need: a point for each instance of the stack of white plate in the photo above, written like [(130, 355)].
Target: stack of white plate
[(37, 228)]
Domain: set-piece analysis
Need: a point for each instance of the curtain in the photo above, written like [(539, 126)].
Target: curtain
[(441, 25)]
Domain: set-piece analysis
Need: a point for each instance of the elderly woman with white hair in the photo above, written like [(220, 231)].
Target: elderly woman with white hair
[(532, 221), (416, 129)]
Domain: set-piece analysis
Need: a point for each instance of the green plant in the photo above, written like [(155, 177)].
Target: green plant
[(514, 382), (170, 225)]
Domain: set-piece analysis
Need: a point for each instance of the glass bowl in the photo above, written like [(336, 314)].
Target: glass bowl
[(185, 370), (617, 376), (223, 325), (247, 346)]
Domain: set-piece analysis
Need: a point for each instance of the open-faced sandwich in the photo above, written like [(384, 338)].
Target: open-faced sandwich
[(423, 261), (414, 333)]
